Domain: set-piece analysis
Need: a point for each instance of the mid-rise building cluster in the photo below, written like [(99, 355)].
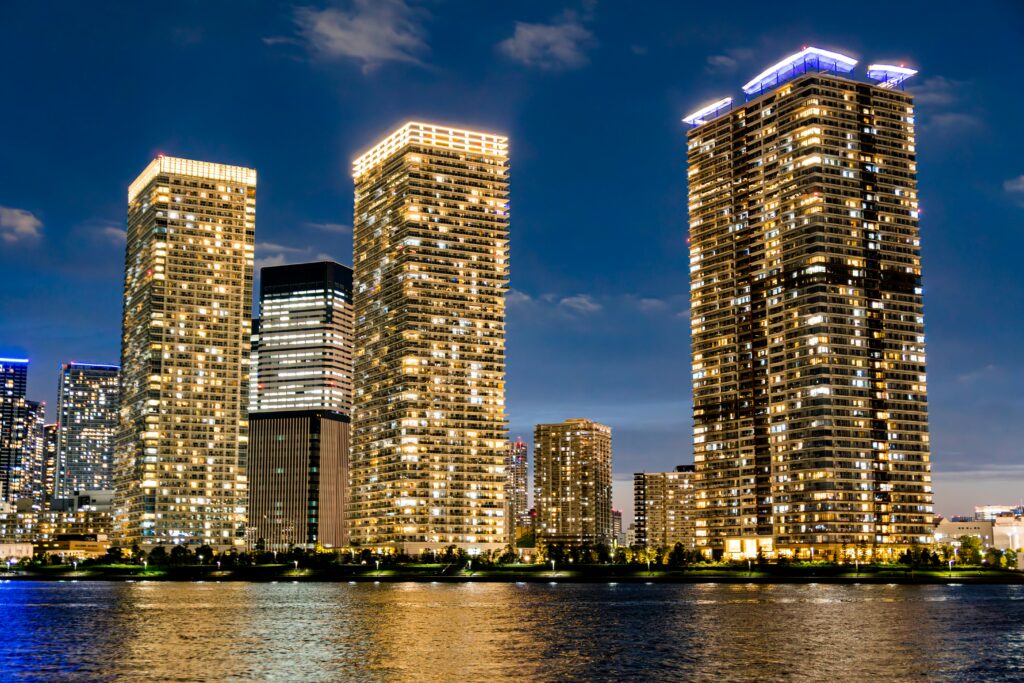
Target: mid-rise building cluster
[(365, 405)]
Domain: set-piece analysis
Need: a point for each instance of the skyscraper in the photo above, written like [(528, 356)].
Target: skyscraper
[(304, 348), (663, 506), (87, 416), (516, 466), (572, 485), (13, 385), (300, 412), (810, 398), (431, 272), (180, 455)]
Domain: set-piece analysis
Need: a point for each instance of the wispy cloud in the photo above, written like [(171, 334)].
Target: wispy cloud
[(267, 261), (937, 91), (1015, 186), (339, 228), (280, 248), (557, 46), (582, 304), (976, 375), (517, 298), (19, 225), (729, 61), (370, 31)]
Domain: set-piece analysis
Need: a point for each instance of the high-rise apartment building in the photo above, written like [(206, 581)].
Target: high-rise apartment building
[(431, 273), (87, 400), (810, 397), (572, 482), (516, 488), (299, 416), (618, 535), (664, 508), (13, 385), (181, 447)]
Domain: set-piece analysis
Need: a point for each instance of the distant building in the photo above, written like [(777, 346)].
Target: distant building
[(516, 468), (17, 420), (618, 537), (664, 507), (573, 482), (180, 458), (50, 446), (300, 413), (27, 487), (810, 403), (87, 415), (631, 536), (948, 531), (1008, 532), (983, 512)]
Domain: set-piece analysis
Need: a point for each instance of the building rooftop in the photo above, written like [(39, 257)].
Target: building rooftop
[(808, 60)]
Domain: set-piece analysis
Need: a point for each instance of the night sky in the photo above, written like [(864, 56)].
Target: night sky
[(591, 96)]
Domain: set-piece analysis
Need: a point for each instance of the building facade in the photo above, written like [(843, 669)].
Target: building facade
[(13, 409), (664, 507), (299, 418), (87, 415), (516, 488), (298, 479), (183, 427), (50, 447), (302, 358), (808, 357), (572, 486), (431, 273)]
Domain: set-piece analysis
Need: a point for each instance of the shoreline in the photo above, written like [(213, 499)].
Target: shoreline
[(314, 576)]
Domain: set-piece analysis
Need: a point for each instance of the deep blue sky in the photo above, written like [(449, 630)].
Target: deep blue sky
[(591, 95)]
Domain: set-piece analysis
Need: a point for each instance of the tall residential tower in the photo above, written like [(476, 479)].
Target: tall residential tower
[(810, 398), (87, 396), (431, 272), (572, 482), (181, 446)]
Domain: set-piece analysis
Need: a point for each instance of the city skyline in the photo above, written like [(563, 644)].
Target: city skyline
[(579, 319)]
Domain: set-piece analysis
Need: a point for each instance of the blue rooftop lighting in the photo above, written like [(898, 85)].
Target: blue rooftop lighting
[(890, 75), (808, 59), (705, 114), (13, 360)]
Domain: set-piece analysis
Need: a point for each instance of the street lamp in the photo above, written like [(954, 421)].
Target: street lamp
[(552, 566), (470, 566), (378, 567), (296, 565)]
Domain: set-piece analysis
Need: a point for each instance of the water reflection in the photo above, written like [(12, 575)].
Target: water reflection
[(466, 632)]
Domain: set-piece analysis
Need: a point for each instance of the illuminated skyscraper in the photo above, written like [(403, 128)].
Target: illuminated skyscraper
[(431, 272), (810, 399), (303, 355), (87, 414), (299, 416), (181, 447), (13, 385), (663, 506), (516, 466), (572, 482)]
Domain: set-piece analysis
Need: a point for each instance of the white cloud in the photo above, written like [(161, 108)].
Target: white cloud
[(729, 61), (114, 234), (371, 32), (1014, 185), (275, 260), (280, 248), (18, 225), (515, 298), (340, 228), (555, 46), (581, 303), (937, 91)]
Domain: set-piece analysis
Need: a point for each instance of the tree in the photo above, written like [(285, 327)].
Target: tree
[(205, 552), (994, 557), (508, 555), (114, 555), (180, 554), (158, 555), (678, 557), (1010, 559), (970, 550)]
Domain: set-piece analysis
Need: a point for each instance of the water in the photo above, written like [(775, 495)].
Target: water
[(475, 632)]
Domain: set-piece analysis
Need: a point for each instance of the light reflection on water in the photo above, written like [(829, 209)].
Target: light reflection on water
[(468, 632)]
